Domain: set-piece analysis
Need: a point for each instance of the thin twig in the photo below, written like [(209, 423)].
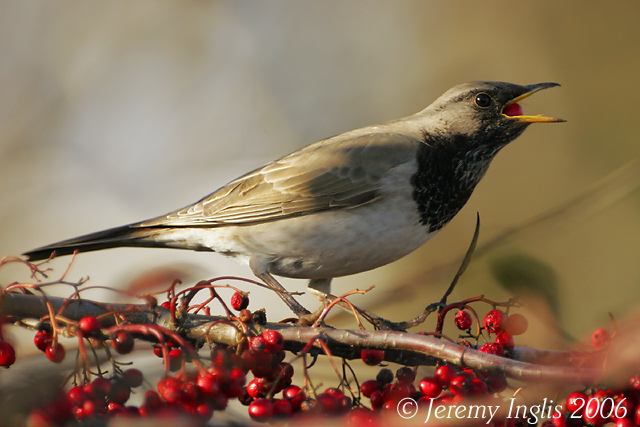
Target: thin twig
[(465, 262)]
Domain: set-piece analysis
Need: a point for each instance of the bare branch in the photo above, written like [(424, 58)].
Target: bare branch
[(400, 347)]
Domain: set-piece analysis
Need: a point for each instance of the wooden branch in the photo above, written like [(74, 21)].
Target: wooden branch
[(400, 347)]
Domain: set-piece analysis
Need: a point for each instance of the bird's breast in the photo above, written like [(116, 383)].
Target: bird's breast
[(442, 185)]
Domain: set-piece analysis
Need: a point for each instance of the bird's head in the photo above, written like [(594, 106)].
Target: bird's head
[(482, 116)]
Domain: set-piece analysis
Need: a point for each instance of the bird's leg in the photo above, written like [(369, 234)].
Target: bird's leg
[(288, 299), (259, 267), (320, 288)]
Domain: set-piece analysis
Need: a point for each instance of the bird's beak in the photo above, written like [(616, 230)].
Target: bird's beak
[(513, 111)]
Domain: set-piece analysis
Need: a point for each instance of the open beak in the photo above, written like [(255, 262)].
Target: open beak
[(513, 110)]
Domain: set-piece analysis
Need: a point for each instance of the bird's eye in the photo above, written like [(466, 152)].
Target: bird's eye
[(482, 100)]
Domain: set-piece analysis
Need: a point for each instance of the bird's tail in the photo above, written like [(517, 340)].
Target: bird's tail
[(127, 235)]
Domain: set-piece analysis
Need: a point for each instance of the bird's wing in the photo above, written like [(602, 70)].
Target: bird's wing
[(340, 172)]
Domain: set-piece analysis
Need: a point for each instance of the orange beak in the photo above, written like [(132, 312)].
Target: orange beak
[(530, 119)]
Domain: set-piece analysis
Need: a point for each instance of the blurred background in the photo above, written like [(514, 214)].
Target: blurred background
[(114, 112)]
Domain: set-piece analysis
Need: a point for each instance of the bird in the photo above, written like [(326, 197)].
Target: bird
[(346, 204)]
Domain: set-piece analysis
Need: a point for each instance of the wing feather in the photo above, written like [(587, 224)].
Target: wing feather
[(342, 172)]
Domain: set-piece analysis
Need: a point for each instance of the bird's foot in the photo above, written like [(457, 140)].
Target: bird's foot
[(312, 318)]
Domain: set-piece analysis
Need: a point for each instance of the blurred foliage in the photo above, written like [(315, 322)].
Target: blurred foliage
[(522, 274)]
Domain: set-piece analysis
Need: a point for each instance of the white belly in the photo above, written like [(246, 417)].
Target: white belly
[(325, 244)]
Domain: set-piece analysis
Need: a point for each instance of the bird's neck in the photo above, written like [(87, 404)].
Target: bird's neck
[(444, 182)]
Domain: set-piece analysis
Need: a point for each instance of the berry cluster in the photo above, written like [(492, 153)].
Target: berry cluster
[(497, 323), (597, 407), (97, 399), (255, 372), (448, 386), (44, 341)]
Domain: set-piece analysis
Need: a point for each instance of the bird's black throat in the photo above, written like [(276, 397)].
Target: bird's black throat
[(445, 180)]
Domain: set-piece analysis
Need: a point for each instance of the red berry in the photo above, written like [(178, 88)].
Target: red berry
[(515, 324), (344, 404), (390, 406), (491, 348), (98, 388), (430, 387), (558, 419), (460, 385), (273, 340), (328, 402), (87, 410), (189, 391), (132, 377), (368, 387), (233, 389), (445, 399), (282, 408), (359, 417), (463, 320), (624, 422), (512, 110), (119, 393), (600, 339), (255, 387), (634, 382), (42, 340), (399, 391), (295, 395), (55, 354), (385, 376), (169, 389), (497, 383), (175, 359), (576, 400), (123, 343), (7, 354), (207, 385), (239, 300), (505, 340), (493, 320), (238, 375), (152, 399), (89, 325), (335, 391), (264, 365), (377, 399), (478, 388), (261, 410), (76, 395), (405, 374), (258, 344), (219, 374), (219, 401), (444, 374), (592, 412), (622, 407), (372, 357), (203, 411)]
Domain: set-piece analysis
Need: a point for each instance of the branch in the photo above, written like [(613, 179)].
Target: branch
[(400, 347)]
